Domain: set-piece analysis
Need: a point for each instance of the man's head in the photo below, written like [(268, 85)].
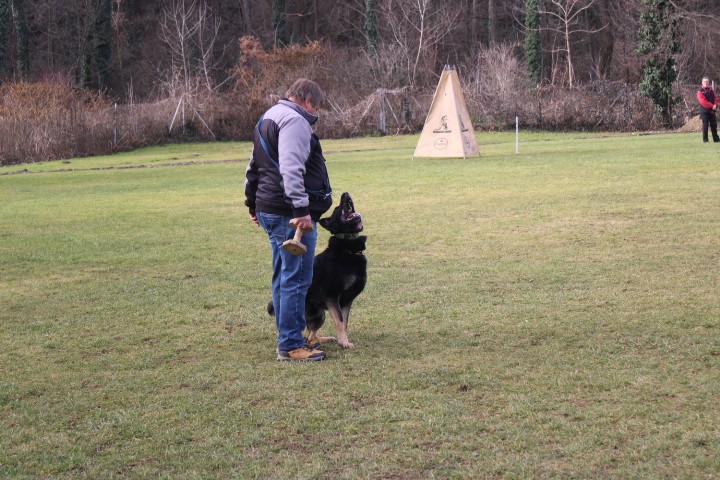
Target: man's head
[(307, 94), (705, 82)]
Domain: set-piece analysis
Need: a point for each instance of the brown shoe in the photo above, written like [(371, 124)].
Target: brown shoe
[(302, 354)]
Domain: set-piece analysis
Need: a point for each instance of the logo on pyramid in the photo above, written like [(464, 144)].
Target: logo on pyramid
[(443, 128)]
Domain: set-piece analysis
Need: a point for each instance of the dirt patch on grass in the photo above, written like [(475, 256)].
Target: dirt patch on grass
[(692, 125), (127, 167)]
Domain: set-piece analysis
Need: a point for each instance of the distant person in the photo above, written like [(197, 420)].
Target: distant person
[(708, 108), (286, 180)]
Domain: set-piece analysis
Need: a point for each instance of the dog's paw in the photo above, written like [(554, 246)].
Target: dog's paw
[(346, 344)]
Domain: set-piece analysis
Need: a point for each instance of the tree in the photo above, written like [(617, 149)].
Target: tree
[(189, 30), (492, 23), (21, 38), (96, 49), (533, 45), (473, 21), (417, 28), (102, 36), (245, 12), (4, 22), (659, 38), (278, 22), (567, 17), (699, 55), (371, 28)]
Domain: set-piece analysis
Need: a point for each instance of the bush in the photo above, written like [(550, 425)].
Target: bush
[(260, 76), (495, 87), (498, 89), (48, 121), (43, 121), (600, 105)]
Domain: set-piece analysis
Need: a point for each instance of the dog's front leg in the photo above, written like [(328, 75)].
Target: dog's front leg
[(340, 324)]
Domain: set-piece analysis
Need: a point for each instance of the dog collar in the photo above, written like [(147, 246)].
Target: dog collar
[(346, 236)]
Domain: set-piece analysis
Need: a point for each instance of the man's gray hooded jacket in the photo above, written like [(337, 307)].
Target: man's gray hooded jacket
[(287, 174)]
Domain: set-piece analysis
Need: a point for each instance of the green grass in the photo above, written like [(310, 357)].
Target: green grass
[(552, 314)]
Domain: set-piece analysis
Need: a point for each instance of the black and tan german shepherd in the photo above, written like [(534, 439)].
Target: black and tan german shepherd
[(339, 274)]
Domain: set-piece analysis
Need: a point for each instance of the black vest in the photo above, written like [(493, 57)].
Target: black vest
[(709, 96)]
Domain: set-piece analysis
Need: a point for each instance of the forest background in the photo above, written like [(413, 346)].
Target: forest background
[(85, 77)]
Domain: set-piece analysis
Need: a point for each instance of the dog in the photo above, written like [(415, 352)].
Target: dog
[(339, 274)]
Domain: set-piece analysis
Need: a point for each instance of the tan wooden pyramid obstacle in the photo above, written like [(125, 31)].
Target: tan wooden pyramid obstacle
[(448, 131)]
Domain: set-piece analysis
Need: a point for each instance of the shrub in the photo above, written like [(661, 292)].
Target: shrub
[(261, 75), (42, 121), (495, 87)]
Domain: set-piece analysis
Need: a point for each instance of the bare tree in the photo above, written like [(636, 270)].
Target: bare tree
[(567, 22), (279, 22), (493, 83), (492, 22), (371, 28), (189, 31), (700, 53), (17, 9), (417, 27), (247, 19)]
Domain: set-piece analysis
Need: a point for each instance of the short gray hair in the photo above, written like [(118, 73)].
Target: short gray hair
[(306, 91)]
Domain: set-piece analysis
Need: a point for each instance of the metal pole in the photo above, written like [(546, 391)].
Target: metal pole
[(517, 133)]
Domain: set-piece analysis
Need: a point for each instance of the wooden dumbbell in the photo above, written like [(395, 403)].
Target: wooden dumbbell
[(294, 246)]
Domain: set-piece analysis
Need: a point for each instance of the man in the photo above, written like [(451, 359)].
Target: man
[(286, 180), (708, 108)]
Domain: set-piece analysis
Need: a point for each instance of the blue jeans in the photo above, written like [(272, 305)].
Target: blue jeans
[(292, 275)]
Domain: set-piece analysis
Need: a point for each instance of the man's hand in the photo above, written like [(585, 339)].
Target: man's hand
[(253, 217), (305, 223)]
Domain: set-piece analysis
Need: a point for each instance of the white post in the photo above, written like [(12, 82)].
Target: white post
[(115, 127), (383, 128), (517, 133)]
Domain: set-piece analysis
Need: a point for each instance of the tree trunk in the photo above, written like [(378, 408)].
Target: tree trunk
[(371, 26), (492, 22), (278, 22), (533, 45), (475, 21), (83, 74), (4, 22), (102, 33), (316, 23), (247, 20), (21, 34), (571, 71)]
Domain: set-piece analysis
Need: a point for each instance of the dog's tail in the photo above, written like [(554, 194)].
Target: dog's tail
[(270, 308)]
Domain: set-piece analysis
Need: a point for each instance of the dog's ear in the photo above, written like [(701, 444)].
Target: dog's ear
[(325, 223)]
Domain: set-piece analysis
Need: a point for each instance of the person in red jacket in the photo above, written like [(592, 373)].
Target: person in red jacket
[(708, 107)]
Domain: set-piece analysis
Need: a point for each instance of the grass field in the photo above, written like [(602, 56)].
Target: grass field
[(552, 314)]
